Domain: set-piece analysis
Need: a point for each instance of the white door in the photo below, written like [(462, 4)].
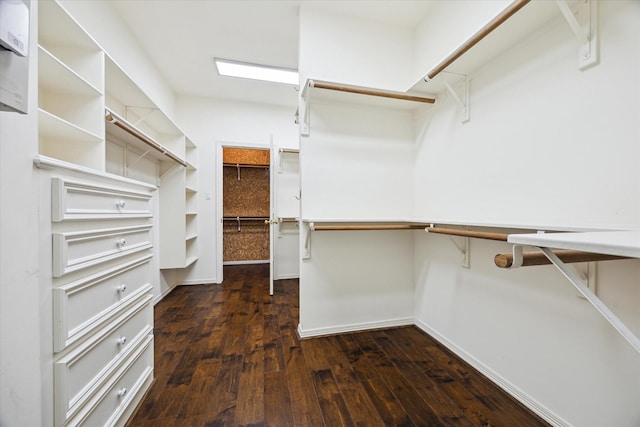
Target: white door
[(273, 222)]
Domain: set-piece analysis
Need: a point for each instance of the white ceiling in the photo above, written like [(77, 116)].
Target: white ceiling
[(182, 37)]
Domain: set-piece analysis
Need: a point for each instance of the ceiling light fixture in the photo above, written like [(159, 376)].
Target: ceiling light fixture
[(256, 72)]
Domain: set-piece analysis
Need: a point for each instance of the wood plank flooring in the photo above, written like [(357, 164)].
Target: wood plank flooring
[(228, 355)]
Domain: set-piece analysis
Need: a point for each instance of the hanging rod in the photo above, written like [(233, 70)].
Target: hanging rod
[(245, 218), (466, 233), (290, 150), (288, 219), (367, 91), (538, 258), (113, 118), (484, 31), (242, 165), (365, 227)]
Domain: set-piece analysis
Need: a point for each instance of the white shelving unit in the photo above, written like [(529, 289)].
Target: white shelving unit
[(70, 90), (150, 134)]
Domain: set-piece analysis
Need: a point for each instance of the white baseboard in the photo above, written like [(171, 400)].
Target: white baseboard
[(160, 297), (199, 282), (354, 327), (287, 276), (542, 411)]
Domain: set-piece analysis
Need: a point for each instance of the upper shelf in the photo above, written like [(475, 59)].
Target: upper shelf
[(621, 243), (516, 22)]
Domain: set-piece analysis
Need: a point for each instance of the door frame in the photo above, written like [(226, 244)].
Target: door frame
[(220, 144)]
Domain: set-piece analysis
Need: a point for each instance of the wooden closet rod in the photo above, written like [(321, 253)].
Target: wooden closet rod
[(244, 165), (366, 227), (133, 131), (538, 258), (245, 218), (370, 92), (484, 31), (465, 233)]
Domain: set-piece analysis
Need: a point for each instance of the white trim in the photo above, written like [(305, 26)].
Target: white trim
[(44, 162), (354, 327), (158, 298), (288, 276), (212, 281), (542, 411)]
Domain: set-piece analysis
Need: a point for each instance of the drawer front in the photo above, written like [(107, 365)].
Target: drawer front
[(76, 250), (84, 369), (77, 200), (122, 389), (80, 307)]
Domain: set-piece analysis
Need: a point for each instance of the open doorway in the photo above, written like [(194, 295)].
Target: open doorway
[(244, 206)]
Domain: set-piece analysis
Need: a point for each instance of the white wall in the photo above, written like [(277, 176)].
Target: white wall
[(357, 51), (547, 146), (21, 384), (207, 122)]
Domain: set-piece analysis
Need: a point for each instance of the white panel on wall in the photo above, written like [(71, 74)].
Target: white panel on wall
[(356, 280), (357, 163)]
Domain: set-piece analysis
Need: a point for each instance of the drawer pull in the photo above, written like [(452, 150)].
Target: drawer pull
[(121, 204), (121, 340), (122, 392), (120, 289), (121, 242)]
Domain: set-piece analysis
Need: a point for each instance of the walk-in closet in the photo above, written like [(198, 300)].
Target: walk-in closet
[(375, 212), (246, 205)]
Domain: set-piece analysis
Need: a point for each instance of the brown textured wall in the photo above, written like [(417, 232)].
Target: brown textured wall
[(245, 156), (248, 196)]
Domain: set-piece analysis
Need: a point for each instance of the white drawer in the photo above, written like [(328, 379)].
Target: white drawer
[(85, 369), (76, 250), (77, 200), (81, 307), (122, 390)]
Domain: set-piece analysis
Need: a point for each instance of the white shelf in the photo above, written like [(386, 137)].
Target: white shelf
[(533, 16), (620, 243), (61, 36), (52, 126), (54, 75)]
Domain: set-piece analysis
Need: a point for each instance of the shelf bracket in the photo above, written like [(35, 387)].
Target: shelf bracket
[(171, 169), (140, 157), (464, 249), (593, 299), (463, 100), (306, 105), (141, 119), (584, 24), (307, 241)]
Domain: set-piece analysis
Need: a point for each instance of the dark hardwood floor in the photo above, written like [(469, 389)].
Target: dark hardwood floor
[(228, 355)]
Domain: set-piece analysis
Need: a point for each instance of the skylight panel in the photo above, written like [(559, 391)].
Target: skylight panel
[(256, 71)]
